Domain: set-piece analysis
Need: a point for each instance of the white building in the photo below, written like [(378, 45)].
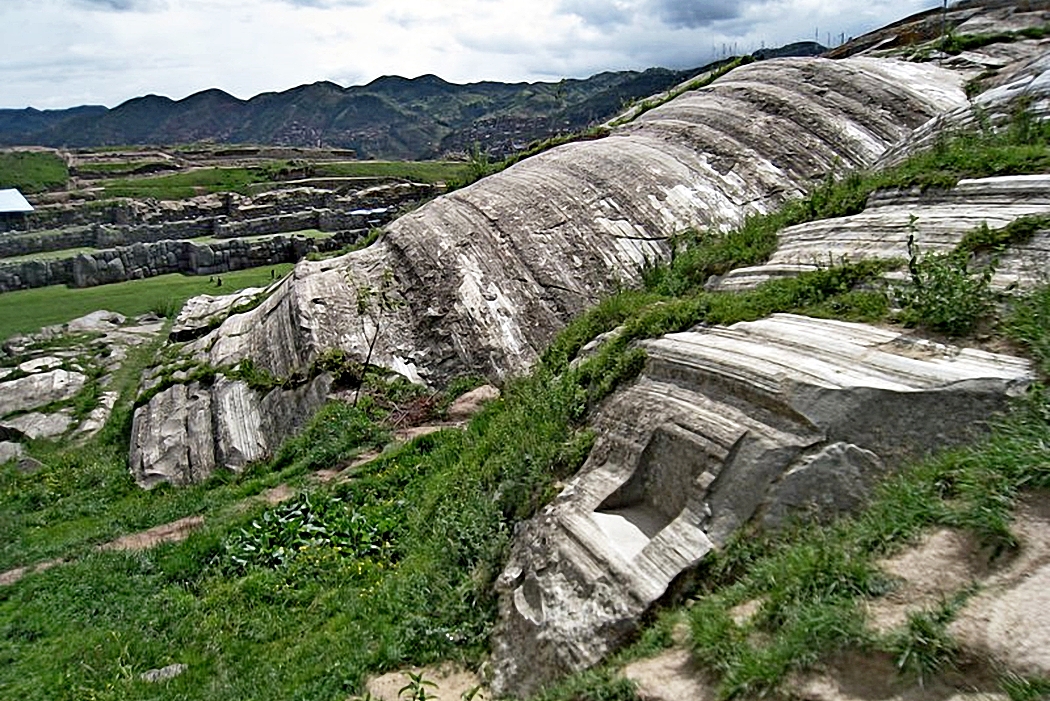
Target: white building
[(12, 202)]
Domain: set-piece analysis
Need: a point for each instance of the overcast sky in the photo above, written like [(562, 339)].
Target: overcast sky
[(61, 53)]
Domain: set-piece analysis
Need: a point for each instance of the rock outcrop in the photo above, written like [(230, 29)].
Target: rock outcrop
[(937, 220), (59, 381), (196, 428), (481, 279), (760, 421)]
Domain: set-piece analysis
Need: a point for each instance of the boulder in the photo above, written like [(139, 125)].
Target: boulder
[(36, 425), (195, 429), (470, 403), (39, 390), (757, 422), (937, 219), (10, 450)]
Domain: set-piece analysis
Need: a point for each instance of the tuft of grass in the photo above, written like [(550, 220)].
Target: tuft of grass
[(955, 44), (945, 294), (924, 647)]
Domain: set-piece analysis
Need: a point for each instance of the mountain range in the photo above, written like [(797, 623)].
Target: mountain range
[(391, 117)]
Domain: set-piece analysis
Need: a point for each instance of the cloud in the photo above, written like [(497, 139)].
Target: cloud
[(123, 5), (60, 53), (598, 13), (327, 4), (690, 14)]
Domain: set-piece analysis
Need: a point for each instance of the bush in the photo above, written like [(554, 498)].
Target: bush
[(944, 294)]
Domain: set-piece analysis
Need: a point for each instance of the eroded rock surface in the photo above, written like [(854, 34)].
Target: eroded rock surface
[(185, 432), (758, 421), (938, 221), (58, 381), (481, 279), (485, 276)]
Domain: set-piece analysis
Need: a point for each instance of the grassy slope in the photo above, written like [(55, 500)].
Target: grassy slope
[(31, 171), (28, 310), (397, 565)]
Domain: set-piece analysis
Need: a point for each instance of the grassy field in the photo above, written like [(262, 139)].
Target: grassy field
[(418, 171), (212, 180), (396, 567), (179, 186), (28, 310), (308, 233), (32, 171)]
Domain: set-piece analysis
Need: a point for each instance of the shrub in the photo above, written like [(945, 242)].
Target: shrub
[(944, 294)]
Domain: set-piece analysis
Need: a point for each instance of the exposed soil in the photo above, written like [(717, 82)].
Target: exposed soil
[(452, 683), (670, 676)]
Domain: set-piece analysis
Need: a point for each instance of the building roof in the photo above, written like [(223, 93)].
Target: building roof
[(13, 201)]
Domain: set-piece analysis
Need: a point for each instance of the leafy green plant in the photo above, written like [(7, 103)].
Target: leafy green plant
[(418, 688), (945, 294), (307, 523)]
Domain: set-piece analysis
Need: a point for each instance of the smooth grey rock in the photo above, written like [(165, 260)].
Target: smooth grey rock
[(202, 312), (98, 321), (39, 364), (238, 424), (164, 673), (480, 280), (726, 426), (98, 416), (470, 403), (194, 430), (835, 480), (181, 449), (35, 425), (938, 220), (10, 450), (28, 465), (39, 390)]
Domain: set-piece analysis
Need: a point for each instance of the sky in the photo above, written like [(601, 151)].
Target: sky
[(62, 53)]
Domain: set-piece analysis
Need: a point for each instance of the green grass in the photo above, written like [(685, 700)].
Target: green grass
[(25, 311), (416, 171), (308, 233), (213, 180), (955, 44), (32, 171), (179, 186)]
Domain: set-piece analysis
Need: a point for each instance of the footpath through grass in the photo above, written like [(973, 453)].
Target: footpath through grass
[(25, 311), (396, 567)]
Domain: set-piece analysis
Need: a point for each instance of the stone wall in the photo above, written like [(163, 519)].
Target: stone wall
[(112, 235), (142, 260), (134, 214)]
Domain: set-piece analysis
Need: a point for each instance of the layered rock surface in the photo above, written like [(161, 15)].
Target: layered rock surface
[(937, 220), (760, 421), (480, 280), (59, 381)]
